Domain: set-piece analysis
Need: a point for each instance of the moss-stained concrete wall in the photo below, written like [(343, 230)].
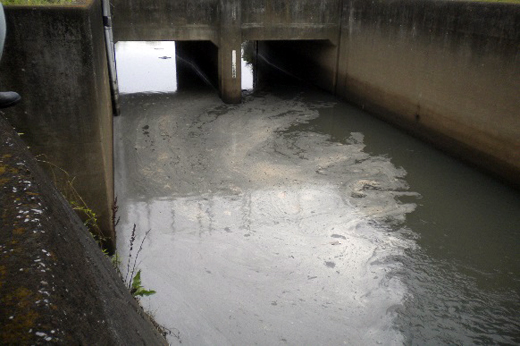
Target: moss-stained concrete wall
[(291, 20), (448, 71), (55, 58), (202, 20), (56, 287), (152, 20)]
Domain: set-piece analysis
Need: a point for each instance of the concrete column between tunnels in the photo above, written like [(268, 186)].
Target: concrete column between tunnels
[(229, 52)]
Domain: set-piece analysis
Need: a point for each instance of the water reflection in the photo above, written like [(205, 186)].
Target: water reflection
[(146, 66), (247, 62), (260, 231), (285, 263), (150, 66)]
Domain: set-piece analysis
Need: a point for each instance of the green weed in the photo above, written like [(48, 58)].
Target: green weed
[(133, 278), (65, 184), (137, 290)]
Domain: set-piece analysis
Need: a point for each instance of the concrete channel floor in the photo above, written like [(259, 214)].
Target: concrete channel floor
[(261, 230)]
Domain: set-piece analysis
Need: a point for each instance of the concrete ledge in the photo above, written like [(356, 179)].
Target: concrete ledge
[(55, 284)]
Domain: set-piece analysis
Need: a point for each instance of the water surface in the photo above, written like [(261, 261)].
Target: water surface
[(295, 218)]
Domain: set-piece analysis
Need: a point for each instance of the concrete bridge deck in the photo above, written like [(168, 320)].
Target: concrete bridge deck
[(227, 24), (139, 20)]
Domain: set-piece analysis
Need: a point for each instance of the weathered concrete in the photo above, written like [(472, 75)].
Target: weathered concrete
[(446, 71), (196, 20), (181, 20), (55, 58), (264, 20), (229, 68), (55, 284)]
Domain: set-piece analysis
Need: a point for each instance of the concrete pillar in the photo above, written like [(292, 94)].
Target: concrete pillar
[(347, 19), (229, 52)]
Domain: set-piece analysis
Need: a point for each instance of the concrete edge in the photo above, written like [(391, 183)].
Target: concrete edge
[(55, 283)]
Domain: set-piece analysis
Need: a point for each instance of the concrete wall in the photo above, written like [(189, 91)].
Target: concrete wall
[(155, 20), (56, 286), (55, 58), (196, 20), (290, 20), (447, 71)]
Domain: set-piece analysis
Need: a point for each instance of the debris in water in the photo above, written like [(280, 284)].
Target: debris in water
[(330, 264)]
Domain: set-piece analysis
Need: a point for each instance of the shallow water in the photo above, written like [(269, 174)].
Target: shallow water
[(295, 218)]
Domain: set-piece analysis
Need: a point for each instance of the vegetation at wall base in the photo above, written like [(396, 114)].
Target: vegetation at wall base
[(133, 278), (41, 2), (137, 289), (65, 184)]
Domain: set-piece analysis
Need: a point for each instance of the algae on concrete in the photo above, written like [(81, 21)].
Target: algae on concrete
[(41, 2)]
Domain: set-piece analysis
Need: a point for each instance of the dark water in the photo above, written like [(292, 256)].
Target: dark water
[(295, 218)]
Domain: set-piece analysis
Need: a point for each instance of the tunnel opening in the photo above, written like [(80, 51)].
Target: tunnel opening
[(197, 64), (309, 61), (172, 66), (146, 66), (165, 66)]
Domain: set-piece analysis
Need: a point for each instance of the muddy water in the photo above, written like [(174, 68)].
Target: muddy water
[(295, 218)]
